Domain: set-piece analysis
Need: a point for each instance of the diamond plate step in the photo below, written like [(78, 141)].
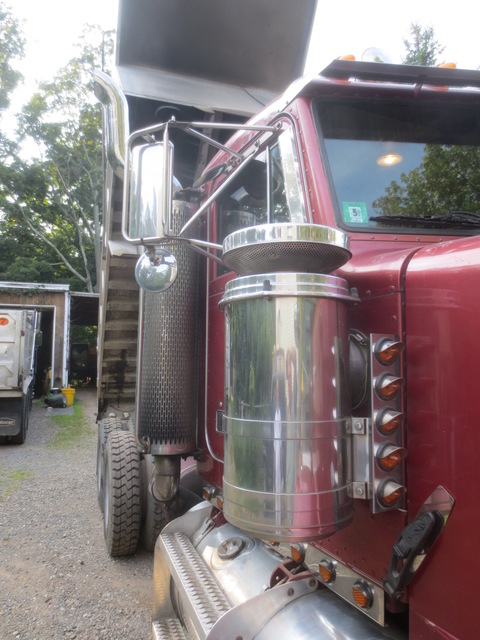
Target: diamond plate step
[(170, 629), (202, 599)]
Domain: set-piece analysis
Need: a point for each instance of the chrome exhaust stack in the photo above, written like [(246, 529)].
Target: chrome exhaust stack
[(166, 368), (115, 121)]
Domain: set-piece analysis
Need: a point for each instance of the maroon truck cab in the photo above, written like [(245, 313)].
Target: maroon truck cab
[(414, 272), (334, 349)]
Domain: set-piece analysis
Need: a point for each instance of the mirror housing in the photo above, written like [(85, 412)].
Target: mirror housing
[(148, 192)]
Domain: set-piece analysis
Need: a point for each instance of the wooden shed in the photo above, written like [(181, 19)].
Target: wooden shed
[(60, 309)]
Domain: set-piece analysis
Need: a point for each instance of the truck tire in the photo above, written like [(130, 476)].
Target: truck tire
[(122, 510), (22, 434), (105, 427)]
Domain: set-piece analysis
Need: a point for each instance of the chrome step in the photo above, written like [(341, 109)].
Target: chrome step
[(203, 602), (169, 629)]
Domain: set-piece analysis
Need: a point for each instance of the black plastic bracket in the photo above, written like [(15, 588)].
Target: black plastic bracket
[(415, 540)]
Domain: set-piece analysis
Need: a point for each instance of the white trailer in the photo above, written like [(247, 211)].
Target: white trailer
[(19, 329)]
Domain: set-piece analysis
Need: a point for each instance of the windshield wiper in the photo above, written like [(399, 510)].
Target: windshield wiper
[(451, 220)]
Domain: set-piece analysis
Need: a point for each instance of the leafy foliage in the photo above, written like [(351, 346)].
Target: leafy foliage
[(51, 204), (447, 180), (11, 47), (422, 49)]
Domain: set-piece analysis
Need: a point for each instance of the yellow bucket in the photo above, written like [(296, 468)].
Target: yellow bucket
[(69, 394)]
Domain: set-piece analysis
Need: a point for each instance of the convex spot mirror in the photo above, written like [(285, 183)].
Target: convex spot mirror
[(150, 190), (156, 270)]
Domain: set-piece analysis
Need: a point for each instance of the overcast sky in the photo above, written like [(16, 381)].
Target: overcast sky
[(352, 27), (342, 27), (52, 27)]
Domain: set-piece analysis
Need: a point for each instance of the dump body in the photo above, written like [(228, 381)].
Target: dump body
[(18, 330)]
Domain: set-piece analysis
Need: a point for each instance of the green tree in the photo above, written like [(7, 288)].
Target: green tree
[(12, 45), (448, 179), (422, 48), (54, 200)]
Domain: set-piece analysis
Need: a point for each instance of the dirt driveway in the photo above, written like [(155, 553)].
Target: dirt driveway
[(56, 579)]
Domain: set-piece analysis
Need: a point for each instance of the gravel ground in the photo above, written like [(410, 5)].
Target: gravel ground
[(56, 578)]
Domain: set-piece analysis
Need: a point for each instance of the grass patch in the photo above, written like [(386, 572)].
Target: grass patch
[(11, 481), (70, 428)]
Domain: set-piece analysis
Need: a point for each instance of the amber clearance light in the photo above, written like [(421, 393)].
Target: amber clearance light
[(389, 457), (388, 421), (390, 493), (387, 351), (388, 386), (362, 594), (327, 572)]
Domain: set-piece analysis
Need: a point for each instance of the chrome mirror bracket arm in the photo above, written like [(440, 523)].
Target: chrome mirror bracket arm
[(225, 184)]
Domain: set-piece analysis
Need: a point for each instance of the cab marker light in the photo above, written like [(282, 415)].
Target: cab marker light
[(362, 594), (390, 493), (387, 351), (389, 457), (388, 386), (388, 421), (297, 553), (326, 569)]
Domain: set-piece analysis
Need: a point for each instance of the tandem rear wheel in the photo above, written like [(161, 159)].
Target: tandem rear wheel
[(131, 513), (25, 414), (105, 428), (122, 487), (132, 516)]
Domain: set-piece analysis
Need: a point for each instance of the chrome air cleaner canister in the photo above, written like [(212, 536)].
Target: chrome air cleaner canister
[(286, 474)]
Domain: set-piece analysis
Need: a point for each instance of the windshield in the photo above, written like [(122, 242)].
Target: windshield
[(403, 164)]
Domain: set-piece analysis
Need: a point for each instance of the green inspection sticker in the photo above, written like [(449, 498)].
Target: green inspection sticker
[(355, 212)]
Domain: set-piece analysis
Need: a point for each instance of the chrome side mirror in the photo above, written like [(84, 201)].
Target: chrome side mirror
[(148, 192)]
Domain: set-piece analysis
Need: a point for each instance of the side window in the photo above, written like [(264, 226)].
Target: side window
[(269, 190)]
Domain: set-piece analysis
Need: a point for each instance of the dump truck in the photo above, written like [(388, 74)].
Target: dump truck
[(290, 312), (19, 337)]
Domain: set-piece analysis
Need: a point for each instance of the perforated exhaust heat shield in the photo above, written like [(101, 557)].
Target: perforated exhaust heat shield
[(167, 355), (286, 247)]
